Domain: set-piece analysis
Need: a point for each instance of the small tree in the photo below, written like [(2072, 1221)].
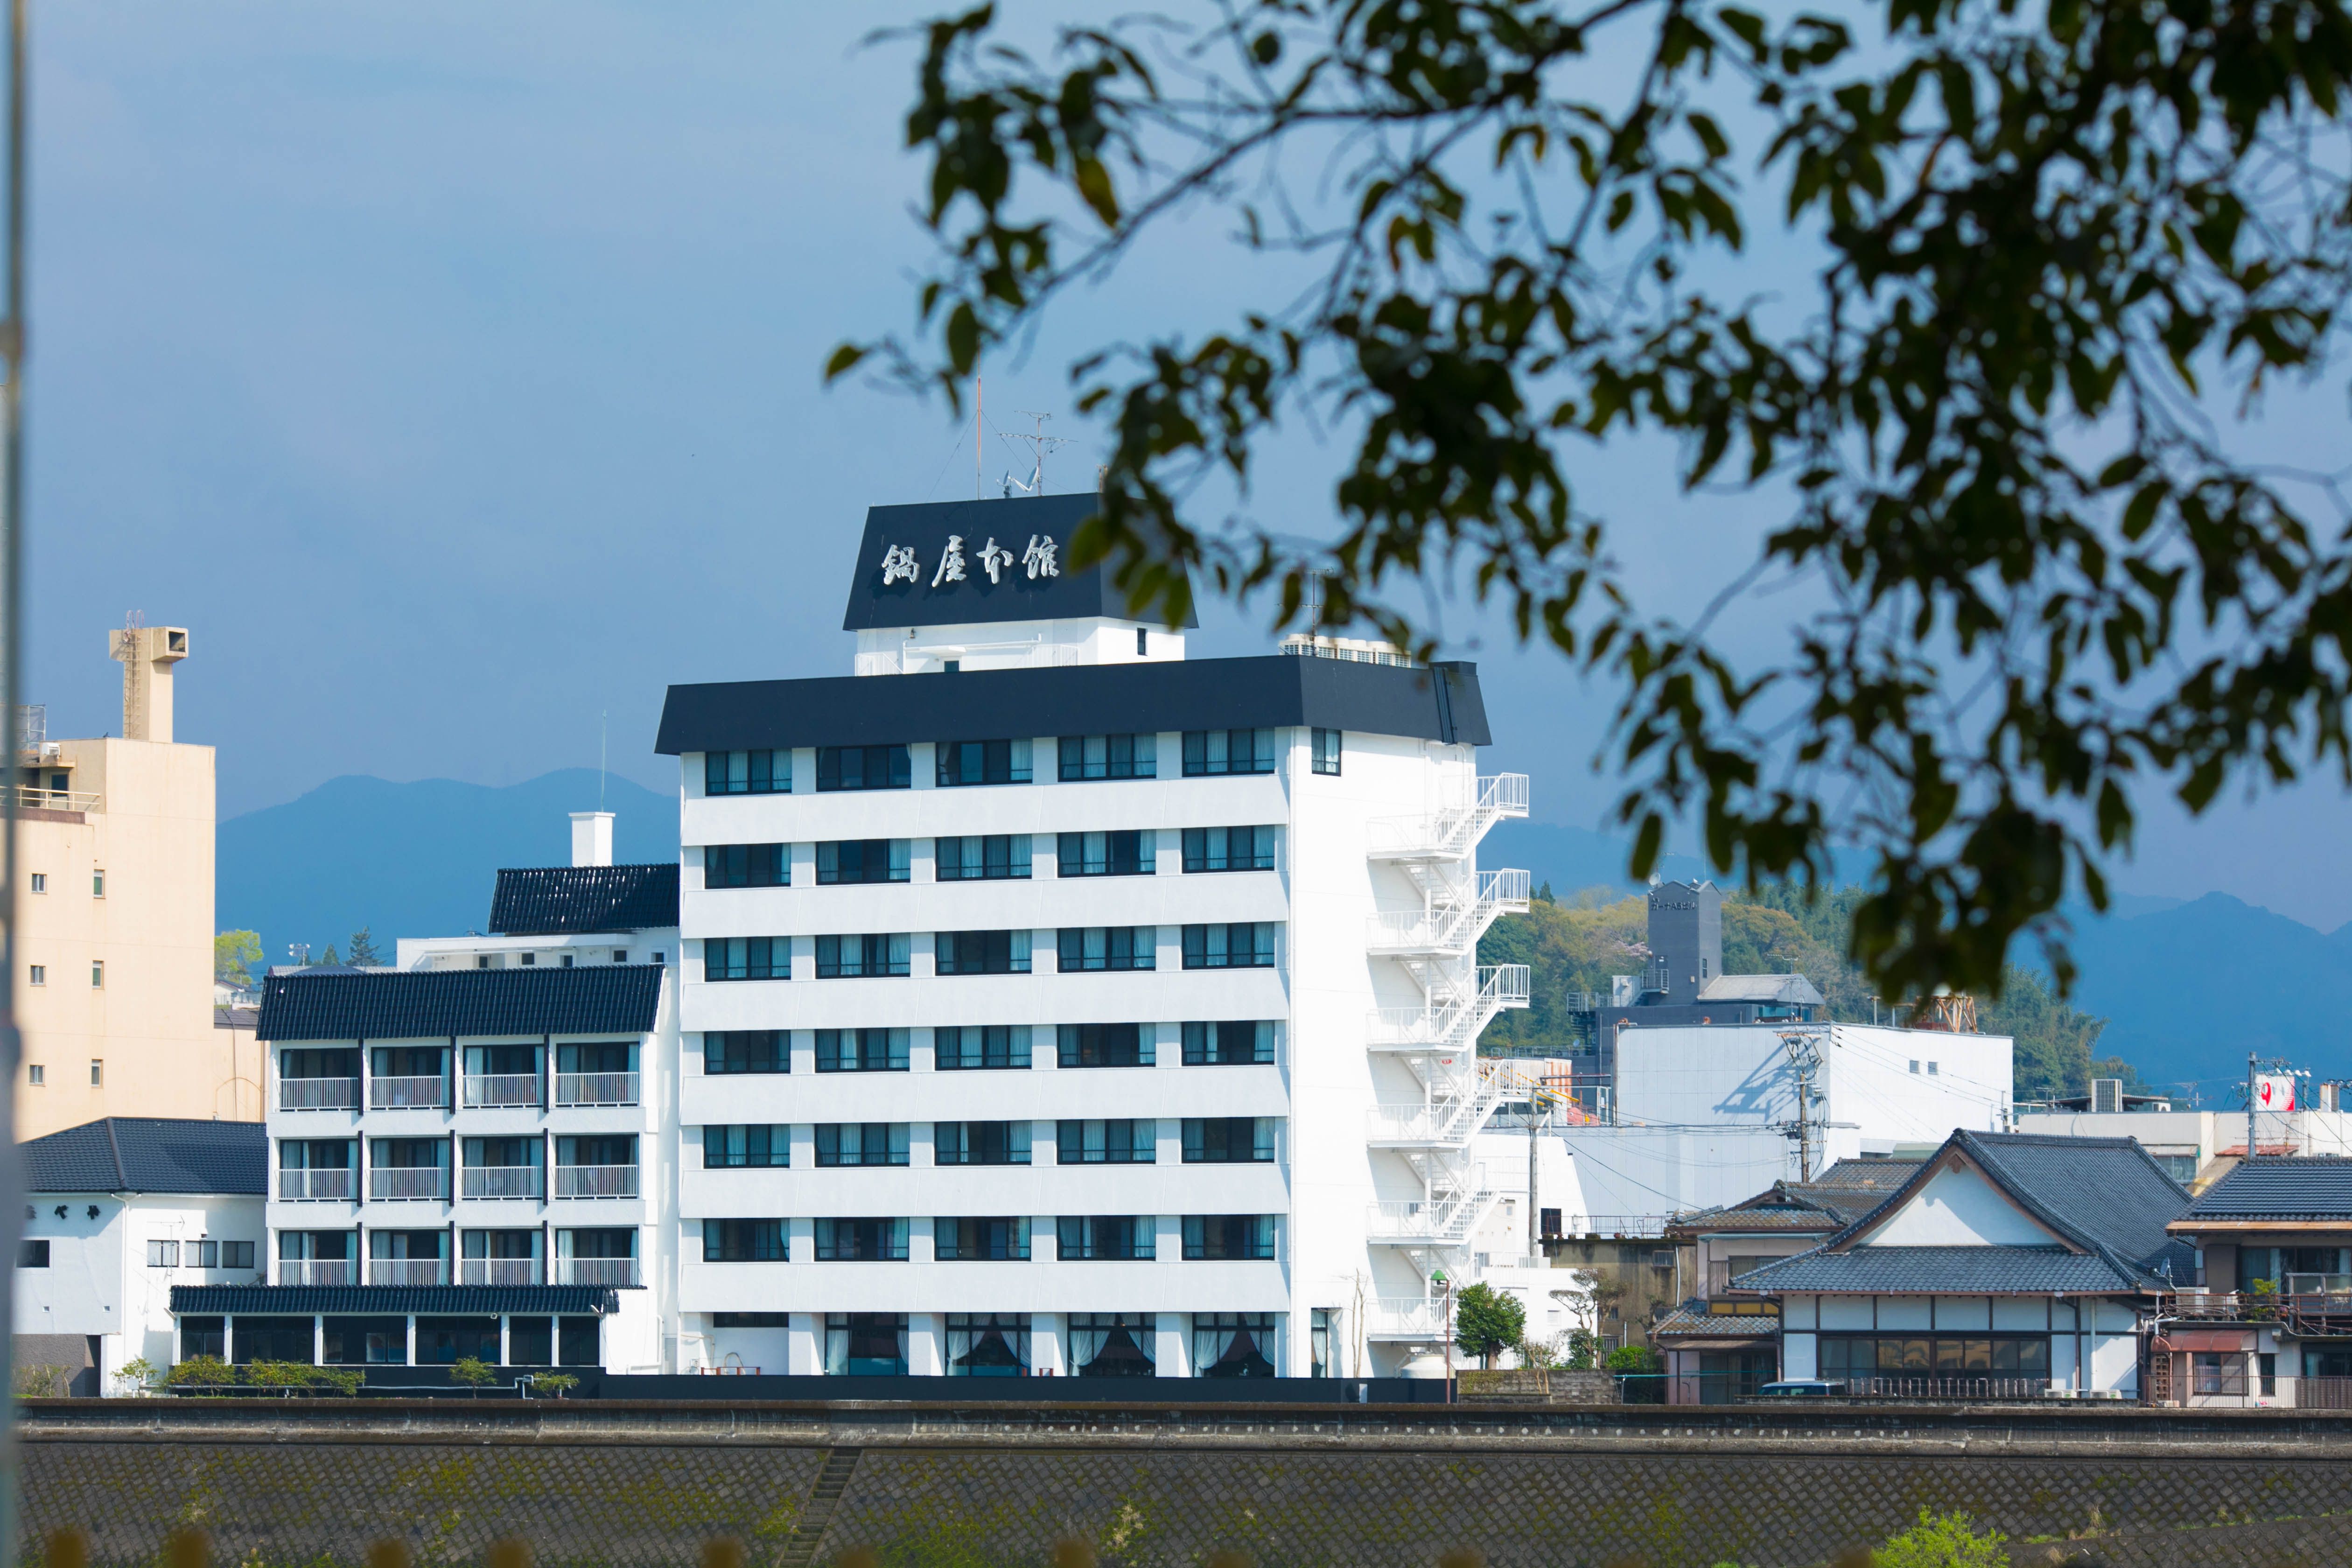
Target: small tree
[(474, 1372), (329, 956), (234, 954), (364, 951), (137, 1376), (552, 1385), (200, 1374), (1943, 1541), (1486, 1321)]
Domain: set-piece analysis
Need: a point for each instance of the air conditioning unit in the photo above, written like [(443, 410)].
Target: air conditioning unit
[(2106, 1096)]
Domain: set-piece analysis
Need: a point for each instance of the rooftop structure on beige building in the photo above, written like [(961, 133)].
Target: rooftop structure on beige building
[(114, 976)]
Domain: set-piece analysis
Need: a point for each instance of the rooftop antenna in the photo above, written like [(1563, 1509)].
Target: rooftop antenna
[(601, 716), (1041, 444)]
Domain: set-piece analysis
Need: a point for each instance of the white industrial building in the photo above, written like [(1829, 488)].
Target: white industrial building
[(1032, 891)]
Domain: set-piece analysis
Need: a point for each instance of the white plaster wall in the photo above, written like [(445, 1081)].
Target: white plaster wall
[(98, 1281), (1660, 1170), (1958, 1209)]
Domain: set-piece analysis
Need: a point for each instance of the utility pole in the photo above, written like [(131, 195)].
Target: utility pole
[(12, 640), (2250, 1105), (1804, 1049), (1535, 1242)]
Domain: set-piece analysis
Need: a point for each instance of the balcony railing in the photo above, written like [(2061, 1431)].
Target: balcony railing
[(1943, 1389), (596, 1271), (317, 1271), (502, 1088), (318, 1094), (57, 799), (407, 1271), (398, 1181), (595, 1088), (595, 1181), (299, 1186), (498, 1271), (408, 1093), (503, 1182), (1406, 1318)]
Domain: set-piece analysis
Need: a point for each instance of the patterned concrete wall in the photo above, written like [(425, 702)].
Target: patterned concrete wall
[(292, 1492)]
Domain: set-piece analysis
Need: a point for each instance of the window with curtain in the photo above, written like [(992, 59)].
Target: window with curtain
[(879, 954), (861, 1050), (981, 952), (1228, 1237), (743, 1241), (1104, 1045), (1228, 1044), (1228, 849), (1241, 945), (747, 866), (982, 857), (980, 1143), (1112, 1344), (1228, 1139), (755, 1146), (863, 767), (1211, 752), (858, 861), (1085, 757), (1131, 852), (964, 1239), (1113, 1141), (1100, 1237), (1233, 1344), (861, 1142), (747, 772), (971, 1047), (865, 1344), (1086, 948), (988, 1344), (728, 1051), (962, 762), (861, 1241), (747, 958), (1323, 750)]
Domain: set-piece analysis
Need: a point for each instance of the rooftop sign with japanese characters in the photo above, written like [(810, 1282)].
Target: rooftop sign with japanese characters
[(975, 561)]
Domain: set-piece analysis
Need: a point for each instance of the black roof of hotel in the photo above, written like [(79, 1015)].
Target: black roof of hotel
[(430, 1003), (2271, 1188), (485, 1299), (554, 901), (1014, 596), (149, 1154), (1274, 692)]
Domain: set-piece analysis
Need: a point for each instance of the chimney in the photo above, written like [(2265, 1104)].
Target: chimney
[(148, 653), (592, 838)]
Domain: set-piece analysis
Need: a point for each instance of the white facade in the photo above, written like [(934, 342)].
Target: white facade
[(101, 1266)]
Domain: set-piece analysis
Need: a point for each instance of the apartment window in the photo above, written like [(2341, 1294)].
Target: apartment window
[(861, 1050), (743, 1241), (1112, 1143), (754, 1147), (747, 957), (483, 962), (37, 1075), (988, 1344), (751, 1320), (975, 858), (980, 1144), (747, 772), (863, 860), (1229, 849), (1247, 1043), (729, 1051), (35, 1255), (1323, 750), (210, 1254), (863, 767), (162, 1254), (1209, 752), (1942, 1355), (976, 1046), (1242, 945), (861, 1143), (1228, 1139), (1233, 1344), (981, 951), (1109, 1344), (98, 975), (1109, 757), (998, 1239), (962, 762), (97, 1072), (530, 959), (865, 1344), (1119, 854), (41, 974), (1319, 1340), (746, 865), (40, 882), (1228, 1237), (1106, 947), (1104, 1046), (98, 884), (861, 1241), (1101, 1237), (875, 955)]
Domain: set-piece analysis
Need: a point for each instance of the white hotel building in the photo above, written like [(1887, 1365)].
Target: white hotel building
[(1049, 1002)]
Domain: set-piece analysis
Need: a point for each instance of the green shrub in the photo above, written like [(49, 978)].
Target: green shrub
[(552, 1385), (200, 1372), (1635, 1358), (1486, 1321), (474, 1372), (37, 1380), (1942, 1541), (138, 1375)]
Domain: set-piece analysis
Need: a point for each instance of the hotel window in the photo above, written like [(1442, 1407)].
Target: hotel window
[(726, 1052), (162, 1254), (37, 1075), (981, 951), (1106, 947), (961, 763), (861, 1241), (40, 882), (1122, 854), (1228, 1139), (965, 1239), (1104, 1046), (1094, 1238), (865, 1344), (980, 1144), (743, 1241), (32, 1254), (1323, 750), (752, 1147), (1109, 757), (1210, 752), (977, 1047), (861, 1143), (1233, 1344), (747, 957), (1109, 1344), (1242, 945), (98, 884), (996, 857), (1105, 1142), (1229, 849), (97, 1072), (863, 860), (863, 767), (41, 974), (1229, 1044), (861, 1050), (877, 954), (745, 866), (1228, 1237), (747, 772), (97, 973)]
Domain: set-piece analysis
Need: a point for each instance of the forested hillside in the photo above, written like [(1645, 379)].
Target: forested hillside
[(1574, 946)]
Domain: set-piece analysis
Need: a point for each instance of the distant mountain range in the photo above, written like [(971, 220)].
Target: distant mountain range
[(2189, 988)]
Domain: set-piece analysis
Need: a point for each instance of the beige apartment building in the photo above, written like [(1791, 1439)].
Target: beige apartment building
[(114, 955)]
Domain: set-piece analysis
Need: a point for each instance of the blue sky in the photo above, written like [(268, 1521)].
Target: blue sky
[(451, 370)]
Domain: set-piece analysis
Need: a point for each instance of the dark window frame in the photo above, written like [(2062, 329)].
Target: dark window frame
[(1003, 858), (746, 957), (1324, 750), (747, 1146), (1122, 1148), (1005, 1239), (1202, 953), (723, 1050), (981, 1142), (1097, 1237), (747, 866), (759, 775), (1123, 950), (1001, 1048), (1119, 852), (877, 767), (876, 958), (1080, 1046), (894, 1052), (981, 951), (890, 1243), (1134, 755), (1229, 1238), (746, 1241), (1230, 1140), (1205, 1043), (1210, 850), (1264, 747), (878, 861), (979, 763), (896, 1139)]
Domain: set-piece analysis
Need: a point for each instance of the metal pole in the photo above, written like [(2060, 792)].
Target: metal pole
[(2250, 1105), (12, 621)]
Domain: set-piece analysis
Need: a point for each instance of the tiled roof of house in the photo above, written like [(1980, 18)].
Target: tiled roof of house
[(1830, 1202), (1913, 1270), (430, 1003), (2270, 1188), (1870, 1175), (554, 901), (484, 1300), (149, 1154)]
